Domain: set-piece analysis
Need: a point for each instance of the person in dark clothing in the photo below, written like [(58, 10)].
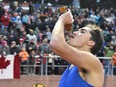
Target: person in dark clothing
[(44, 50), (2, 12), (13, 48), (31, 46), (31, 8)]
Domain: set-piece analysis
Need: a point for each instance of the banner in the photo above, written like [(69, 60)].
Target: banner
[(9, 67)]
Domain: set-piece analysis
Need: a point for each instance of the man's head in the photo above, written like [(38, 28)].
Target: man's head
[(45, 40), (31, 32), (21, 40), (96, 37), (13, 44), (87, 38), (23, 49), (4, 43)]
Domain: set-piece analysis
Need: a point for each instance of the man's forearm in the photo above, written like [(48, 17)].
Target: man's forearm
[(58, 31)]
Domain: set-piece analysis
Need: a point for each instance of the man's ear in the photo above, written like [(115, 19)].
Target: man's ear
[(91, 43)]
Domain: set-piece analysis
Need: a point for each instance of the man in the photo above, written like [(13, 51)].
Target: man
[(13, 48), (44, 50), (85, 70)]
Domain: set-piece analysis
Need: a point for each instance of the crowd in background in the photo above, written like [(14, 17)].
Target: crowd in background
[(28, 32)]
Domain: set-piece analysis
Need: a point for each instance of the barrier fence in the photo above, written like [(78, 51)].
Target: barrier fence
[(43, 67), (43, 75)]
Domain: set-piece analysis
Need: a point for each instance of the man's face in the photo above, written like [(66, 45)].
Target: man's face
[(45, 41), (80, 38), (13, 44)]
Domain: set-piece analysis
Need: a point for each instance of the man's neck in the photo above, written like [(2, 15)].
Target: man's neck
[(84, 49)]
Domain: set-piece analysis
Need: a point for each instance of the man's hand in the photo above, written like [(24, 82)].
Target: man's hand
[(67, 17)]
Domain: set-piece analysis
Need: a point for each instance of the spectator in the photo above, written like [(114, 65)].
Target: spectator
[(5, 21), (2, 12), (25, 19), (108, 53), (38, 34), (31, 8), (13, 48), (21, 43), (49, 34), (4, 48), (19, 24), (32, 61), (44, 50), (32, 36), (113, 41), (113, 63), (31, 46), (24, 58), (6, 33), (12, 37)]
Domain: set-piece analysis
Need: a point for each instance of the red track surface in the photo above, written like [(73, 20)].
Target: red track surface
[(50, 81)]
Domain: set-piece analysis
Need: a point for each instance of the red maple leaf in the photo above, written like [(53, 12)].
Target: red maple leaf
[(4, 64)]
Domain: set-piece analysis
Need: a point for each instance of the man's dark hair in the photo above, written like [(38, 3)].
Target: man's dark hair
[(96, 37)]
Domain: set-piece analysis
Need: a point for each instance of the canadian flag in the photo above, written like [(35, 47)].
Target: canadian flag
[(9, 67)]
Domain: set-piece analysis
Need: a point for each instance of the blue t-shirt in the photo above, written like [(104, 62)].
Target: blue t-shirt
[(72, 78)]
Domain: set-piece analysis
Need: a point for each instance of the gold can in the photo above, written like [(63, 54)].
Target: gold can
[(39, 85)]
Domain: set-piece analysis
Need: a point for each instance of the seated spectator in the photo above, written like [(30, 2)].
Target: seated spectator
[(49, 34), (13, 48), (21, 43), (113, 41), (31, 46), (44, 47), (5, 33), (4, 48), (5, 21), (38, 34), (13, 36), (32, 36)]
